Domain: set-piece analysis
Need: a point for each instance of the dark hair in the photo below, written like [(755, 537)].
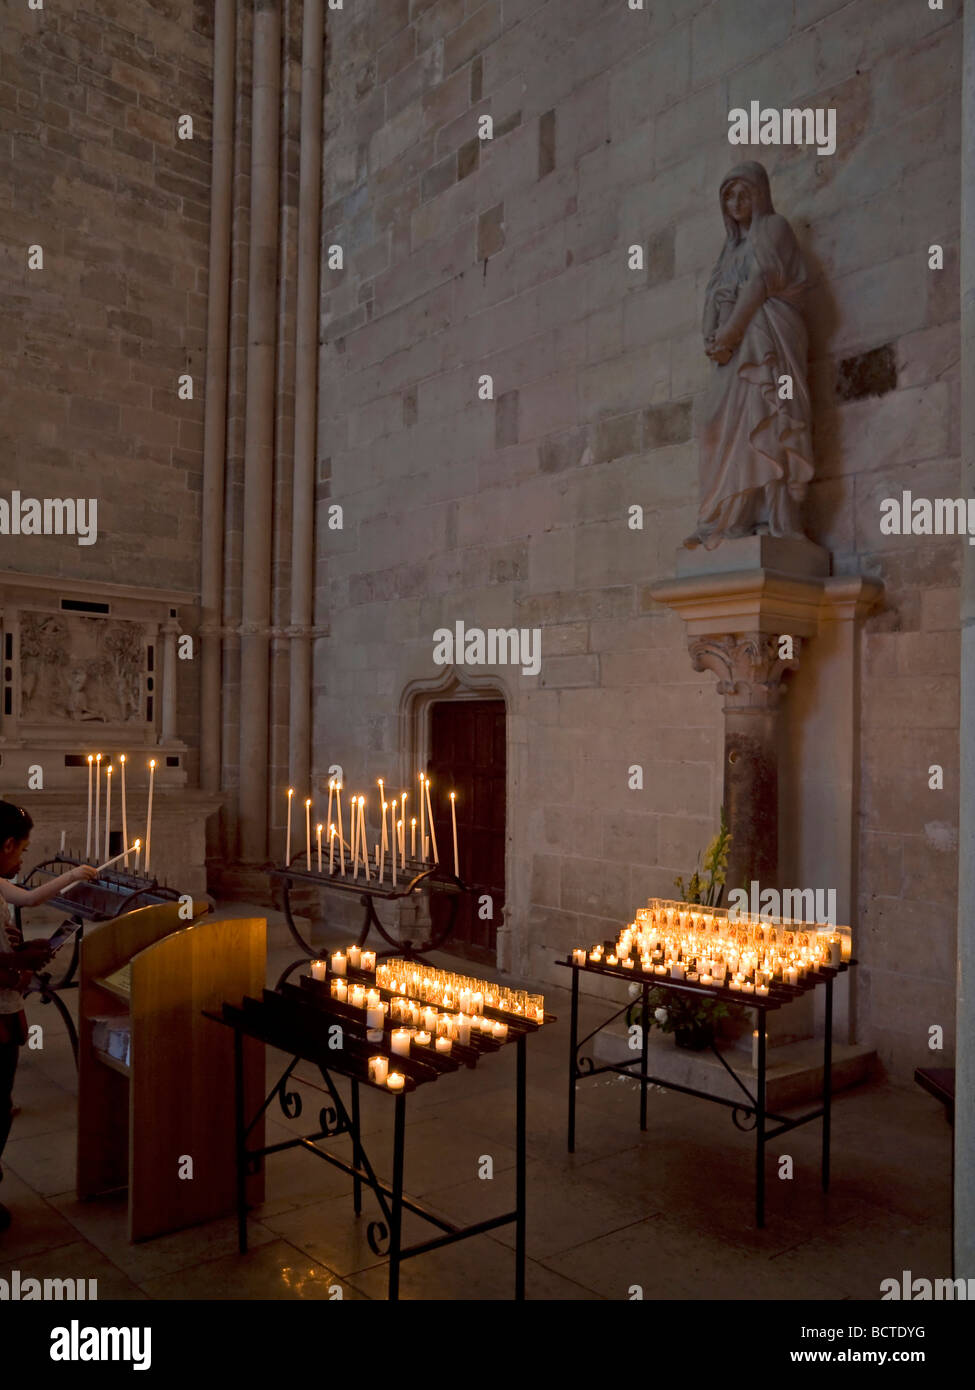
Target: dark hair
[(15, 822)]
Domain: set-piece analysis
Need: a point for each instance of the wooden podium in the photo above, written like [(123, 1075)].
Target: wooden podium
[(156, 1078)]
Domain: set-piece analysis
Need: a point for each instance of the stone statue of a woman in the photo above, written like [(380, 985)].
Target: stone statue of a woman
[(756, 454)]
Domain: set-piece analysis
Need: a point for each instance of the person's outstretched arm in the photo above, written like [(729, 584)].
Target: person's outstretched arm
[(33, 897)]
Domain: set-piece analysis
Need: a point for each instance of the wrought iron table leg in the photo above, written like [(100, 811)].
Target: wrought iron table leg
[(520, 1128), (827, 1081), (644, 1054), (573, 1043), (240, 1133), (760, 1127), (356, 1151), (50, 996), (396, 1204)]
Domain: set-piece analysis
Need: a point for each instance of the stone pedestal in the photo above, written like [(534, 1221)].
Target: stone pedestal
[(751, 607)]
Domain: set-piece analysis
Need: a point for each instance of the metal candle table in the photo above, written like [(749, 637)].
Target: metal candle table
[(415, 876), (300, 1020), (105, 897), (754, 1105)]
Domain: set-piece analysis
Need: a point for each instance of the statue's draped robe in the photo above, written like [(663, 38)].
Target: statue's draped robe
[(756, 452)]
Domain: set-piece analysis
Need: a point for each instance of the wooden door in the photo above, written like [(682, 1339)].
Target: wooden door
[(468, 755)]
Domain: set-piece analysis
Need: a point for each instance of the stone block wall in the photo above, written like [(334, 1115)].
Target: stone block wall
[(508, 257), (91, 345)]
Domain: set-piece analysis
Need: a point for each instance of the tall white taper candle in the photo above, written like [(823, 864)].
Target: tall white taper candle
[(125, 819), (308, 833), (338, 803), (287, 843), (98, 801), (108, 805), (91, 762), (453, 821), (152, 780), (433, 832)]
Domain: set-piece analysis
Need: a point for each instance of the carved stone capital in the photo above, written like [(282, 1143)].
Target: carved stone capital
[(748, 666)]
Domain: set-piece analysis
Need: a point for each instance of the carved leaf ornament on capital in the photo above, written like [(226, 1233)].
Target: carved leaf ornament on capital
[(748, 666)]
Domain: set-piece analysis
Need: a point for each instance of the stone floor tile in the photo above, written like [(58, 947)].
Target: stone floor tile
[(276, 1270)]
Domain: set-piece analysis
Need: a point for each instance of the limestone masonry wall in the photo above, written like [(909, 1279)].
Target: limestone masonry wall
[(91, 345), (508, 256)]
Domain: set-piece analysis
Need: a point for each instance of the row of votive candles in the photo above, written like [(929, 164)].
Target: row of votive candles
[(353, 958), (462, 992), (741, 930), (745, 973), (426, 1022)]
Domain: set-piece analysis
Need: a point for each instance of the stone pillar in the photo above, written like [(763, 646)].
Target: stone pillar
[(215, 420), (749, 670), (306, 376), (170, 631), (259, 436), (964, 1242)]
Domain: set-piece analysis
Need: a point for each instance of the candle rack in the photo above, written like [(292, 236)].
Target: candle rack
[(110, 895), (303, 1021), (415, 876), (745, 1116)]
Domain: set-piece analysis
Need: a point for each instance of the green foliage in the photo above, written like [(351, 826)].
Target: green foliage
[(708, 890)]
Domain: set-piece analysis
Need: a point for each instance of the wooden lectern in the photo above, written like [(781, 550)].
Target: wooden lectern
[(156, 1078)]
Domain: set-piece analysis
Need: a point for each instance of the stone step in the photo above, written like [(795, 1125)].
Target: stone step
[(794, 1075)]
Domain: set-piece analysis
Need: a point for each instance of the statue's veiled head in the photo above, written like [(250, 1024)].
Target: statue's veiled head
[(744, 195)]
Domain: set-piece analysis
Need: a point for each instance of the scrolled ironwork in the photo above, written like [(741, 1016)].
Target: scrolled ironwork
[(331, 1124), (584, 1065), (377, 1234), (290, 1101), (750, 1118)]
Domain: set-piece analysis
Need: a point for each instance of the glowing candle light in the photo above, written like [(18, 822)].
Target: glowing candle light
[(354, 835), (318, 969), (412, 837), (340, 990), (395, 1082), (369, 960), (308, 833), (378, 1070), (402, 832), (353, 957), (382, 802), (108, 805), (125, 820), (91, 762), (338, 803), (453, 821), (331, 849), (443, 1045), (579, 955), (433, 830), (423, 832), (98, 798), (331, 794), (382, 846), (362, 831), (400, 1041), (152, 780), (138, 850), (287, 843), (338, 963), (319, 834)]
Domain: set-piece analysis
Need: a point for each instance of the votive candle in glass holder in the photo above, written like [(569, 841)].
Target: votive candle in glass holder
[(318, 969), (354, 954), (747, 987), (374, 1016), (463, 1025), (340, 990), (443, 1045), (378, 1070), (357, 997), (422, 1039), (368, 960), (400, 1041), (579, 956), (395, 1081), (338, 963), (499, 1032)]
